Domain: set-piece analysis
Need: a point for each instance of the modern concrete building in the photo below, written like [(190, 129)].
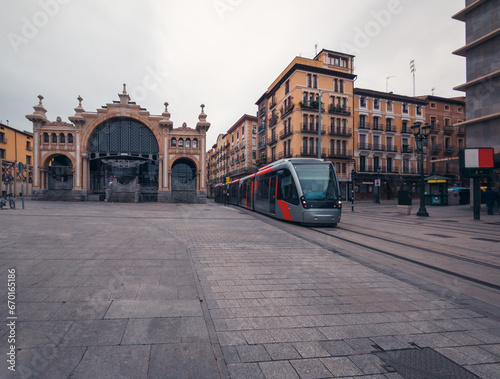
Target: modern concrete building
[(384, 146), (289, 113), (119, 153), (15, 146), (482, 53)]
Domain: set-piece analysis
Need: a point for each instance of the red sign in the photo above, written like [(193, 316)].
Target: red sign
[(478, 158)]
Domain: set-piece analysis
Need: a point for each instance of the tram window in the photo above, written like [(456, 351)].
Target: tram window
[(263, 189), (287, 189)]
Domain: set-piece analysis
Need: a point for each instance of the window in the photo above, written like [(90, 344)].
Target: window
[(2, 137), (389, 106), (362, 121), (181, 142), (405, 108), (446, 122), (45, 137), (287, 86), (419, 110), (28, 160), (273, 154), (433, 105), (195, 143), (389, 124), (2, 153), (287, 191), (460, 109), (376, 104), (315, 81), (308, 84), (70, 138), (341, 86), (62, 138), (188, 143), (446, 107), (362, 102), (28, 145), (336, 85), (54, 138), (173, 142)]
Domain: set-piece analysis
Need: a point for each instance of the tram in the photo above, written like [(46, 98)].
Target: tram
[(302, 190)]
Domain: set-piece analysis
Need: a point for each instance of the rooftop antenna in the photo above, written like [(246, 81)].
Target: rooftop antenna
[(413, 69), (432, 90), (315, 49), (387, 82)]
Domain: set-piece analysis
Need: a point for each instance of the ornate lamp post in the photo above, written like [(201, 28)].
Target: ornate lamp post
[(421, 132)]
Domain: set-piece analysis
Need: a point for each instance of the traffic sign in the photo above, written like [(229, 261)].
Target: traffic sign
[(377, 182), (20, 166)]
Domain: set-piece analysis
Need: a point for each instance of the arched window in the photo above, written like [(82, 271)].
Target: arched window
[(188, 143), (173, 142), (62, 138), (54, 138), (195, 143), (70, 138), (181, 142), (45, 137)]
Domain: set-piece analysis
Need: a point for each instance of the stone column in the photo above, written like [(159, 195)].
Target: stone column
[(85, 171)]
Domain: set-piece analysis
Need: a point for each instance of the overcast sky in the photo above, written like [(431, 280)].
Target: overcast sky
[(223, 53)]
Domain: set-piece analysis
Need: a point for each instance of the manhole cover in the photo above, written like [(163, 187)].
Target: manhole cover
[(423, 364)]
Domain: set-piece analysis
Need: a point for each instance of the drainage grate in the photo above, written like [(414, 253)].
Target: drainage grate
[(439, 235), (423, 364)]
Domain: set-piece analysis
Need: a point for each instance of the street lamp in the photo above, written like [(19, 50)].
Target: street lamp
[(421, 132)]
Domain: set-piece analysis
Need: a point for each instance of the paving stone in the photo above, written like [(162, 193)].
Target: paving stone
[(245, 371), (191, 360), (311, 349), (282, 351), (278, 370), (114, 361), (94, 333), (310, 368), (341, 366), (33, 334), (152, 308), (252, 353)]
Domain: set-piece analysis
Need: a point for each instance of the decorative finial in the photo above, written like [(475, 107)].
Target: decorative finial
[(124, 89), (79, 98), (166, 106), (202, 108), (40, 97)]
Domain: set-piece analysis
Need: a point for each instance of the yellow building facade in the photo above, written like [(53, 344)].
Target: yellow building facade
[(16, 146), (289, 113)]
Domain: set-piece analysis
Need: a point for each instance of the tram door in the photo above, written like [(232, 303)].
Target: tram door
[(272, 195)]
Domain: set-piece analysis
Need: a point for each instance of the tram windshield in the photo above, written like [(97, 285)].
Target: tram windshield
[(318, 181)]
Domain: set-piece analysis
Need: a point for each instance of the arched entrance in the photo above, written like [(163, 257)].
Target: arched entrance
[(183, 179), (60, 173), (124, 160)]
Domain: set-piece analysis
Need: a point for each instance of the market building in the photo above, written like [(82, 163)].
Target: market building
[(119, 153)]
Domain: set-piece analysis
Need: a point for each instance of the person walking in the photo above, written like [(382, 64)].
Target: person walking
[(490, 197)]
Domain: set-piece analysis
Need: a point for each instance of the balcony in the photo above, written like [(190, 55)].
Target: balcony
[(390, 129), (272, 140), (339, 131), (341, 110), (435, 149), (406, 130), (364, 146), (378, 147), (273, 120), (262, 127), (434, 129), (406, 149), (262, 145), (3, 139), (448, 129), (285, 112), (364, 125), (378, 127), (408, 171), (340, 154), (311, 128), (285, 154), (461, 130), (391, 149), (308, 152), (311, 105), (449, 149), (286, 133)]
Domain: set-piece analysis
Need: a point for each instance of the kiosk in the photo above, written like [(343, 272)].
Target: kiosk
[(436, 190)]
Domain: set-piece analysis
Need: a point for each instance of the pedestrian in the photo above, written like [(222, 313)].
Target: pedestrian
[(490, 197)]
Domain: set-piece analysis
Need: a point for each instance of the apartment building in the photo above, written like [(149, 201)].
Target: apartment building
[(218, 166), (242, 139), (15, 146), (447, 136), (384, 146), (289, 113)]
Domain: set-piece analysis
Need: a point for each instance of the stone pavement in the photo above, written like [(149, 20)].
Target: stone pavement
[(205, 291)]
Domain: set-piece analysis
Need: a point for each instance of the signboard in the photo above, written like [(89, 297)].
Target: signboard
[(110, 179), (227, 179), (476, 162), (377, 182)]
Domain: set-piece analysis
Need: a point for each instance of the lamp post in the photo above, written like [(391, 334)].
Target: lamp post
[(421, 132)]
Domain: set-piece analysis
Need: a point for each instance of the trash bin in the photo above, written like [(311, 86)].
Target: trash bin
[(463, 195), (404, 202)]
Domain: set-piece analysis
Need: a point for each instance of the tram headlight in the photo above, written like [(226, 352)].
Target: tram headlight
[(304, 202)]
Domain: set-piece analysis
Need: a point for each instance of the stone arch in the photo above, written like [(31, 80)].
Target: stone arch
[(59, 168), (184, 180)]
